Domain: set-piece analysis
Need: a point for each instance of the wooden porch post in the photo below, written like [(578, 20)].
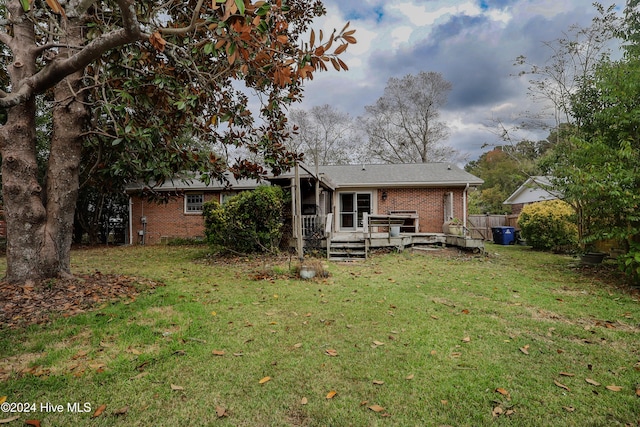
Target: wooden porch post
[(297, 222)]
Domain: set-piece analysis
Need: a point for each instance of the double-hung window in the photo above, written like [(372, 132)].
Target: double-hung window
[(193, 203)]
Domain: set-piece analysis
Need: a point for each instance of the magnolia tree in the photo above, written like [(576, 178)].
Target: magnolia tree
[(123, 79)]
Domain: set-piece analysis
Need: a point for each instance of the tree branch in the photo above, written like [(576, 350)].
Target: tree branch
[(60, 68), (192, 24)]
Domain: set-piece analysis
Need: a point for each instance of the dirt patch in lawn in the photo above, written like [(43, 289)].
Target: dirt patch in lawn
[(25, 305)]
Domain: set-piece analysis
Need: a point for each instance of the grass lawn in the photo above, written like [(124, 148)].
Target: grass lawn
[(514, 338)]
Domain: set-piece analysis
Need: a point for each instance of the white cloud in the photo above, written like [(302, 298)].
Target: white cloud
[(474, 48)]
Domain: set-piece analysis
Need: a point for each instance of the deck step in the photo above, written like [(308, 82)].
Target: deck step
[(347, 250)]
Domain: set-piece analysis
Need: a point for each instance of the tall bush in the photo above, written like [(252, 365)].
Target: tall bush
[(249, 222), (549, 225)]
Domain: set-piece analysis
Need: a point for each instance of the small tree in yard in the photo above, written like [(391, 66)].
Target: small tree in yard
[(249, 222), (123, 80), (549, 225)]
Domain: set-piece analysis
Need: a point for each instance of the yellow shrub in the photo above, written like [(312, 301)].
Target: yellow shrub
[(549, 225)]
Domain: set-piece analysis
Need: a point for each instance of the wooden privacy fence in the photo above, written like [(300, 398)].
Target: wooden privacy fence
[(479, 226)]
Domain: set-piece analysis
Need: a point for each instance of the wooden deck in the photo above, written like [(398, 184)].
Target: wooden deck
[(354, 245)]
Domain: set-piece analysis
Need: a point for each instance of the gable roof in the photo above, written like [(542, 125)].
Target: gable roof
[(336, 176), (405, 175), (534, 189)]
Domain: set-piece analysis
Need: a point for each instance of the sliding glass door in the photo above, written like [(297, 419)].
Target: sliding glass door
[(352, 208)]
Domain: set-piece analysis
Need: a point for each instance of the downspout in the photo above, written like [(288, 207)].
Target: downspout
[(130, 220), (464, 205)]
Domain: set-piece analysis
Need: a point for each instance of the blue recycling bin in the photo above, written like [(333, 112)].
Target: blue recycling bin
[(503, 235)]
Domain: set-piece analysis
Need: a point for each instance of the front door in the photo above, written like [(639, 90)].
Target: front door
[(352, 208)]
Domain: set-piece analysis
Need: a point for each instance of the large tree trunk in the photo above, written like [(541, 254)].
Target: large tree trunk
[(39, 223), (70, 114)]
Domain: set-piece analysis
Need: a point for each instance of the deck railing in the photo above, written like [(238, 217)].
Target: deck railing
[(310, 224)]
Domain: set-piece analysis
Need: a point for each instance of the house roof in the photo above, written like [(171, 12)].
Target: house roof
[(191, 182), (534, 189), (406, 175), (345, 176)]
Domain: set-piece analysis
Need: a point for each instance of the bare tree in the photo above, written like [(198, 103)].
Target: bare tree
[(325, 135), (573, 60), (403, 124)]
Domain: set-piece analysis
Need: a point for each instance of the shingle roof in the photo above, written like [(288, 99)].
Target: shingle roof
[(413, 174), (191, 182), (374, 175)]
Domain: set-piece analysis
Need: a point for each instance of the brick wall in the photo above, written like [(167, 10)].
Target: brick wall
[(167, 219), (170, 220), (428, 202)]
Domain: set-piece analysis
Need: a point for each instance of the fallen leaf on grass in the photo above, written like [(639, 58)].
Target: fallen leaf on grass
[(331, 352), (34, 423), (218, 352), (409, 377), (525, 349), (331, 394), (638, 390), (221, 412), (378, 343), (503, 392), (140, 375), (304, 401), (559, 384), (466, 339), (99, 411), (613, 387), (566, 374), (3, 399), (133, 351), (8, 420), (569, 408), (176, 387), (376, 408), (297, 345), (79, 355), (378, 382), (264, 380), (498, 411), (121, 411), (593, 382)]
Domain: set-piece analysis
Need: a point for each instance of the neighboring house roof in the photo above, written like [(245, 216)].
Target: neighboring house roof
[(191, 182), (534, 189), (405, 175)]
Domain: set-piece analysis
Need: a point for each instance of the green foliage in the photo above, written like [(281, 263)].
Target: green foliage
[(503, 170), (630, 262), (249, 222), (549, 225)]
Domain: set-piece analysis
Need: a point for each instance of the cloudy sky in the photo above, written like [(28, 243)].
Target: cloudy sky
[(473, 43)]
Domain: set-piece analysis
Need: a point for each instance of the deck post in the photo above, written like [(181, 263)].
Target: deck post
[(297, 223)]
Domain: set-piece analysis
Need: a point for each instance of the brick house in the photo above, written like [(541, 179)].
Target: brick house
[(338, 197), (179, 213)]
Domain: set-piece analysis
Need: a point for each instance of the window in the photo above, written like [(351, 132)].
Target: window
[(224, 198), (193, 203)]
